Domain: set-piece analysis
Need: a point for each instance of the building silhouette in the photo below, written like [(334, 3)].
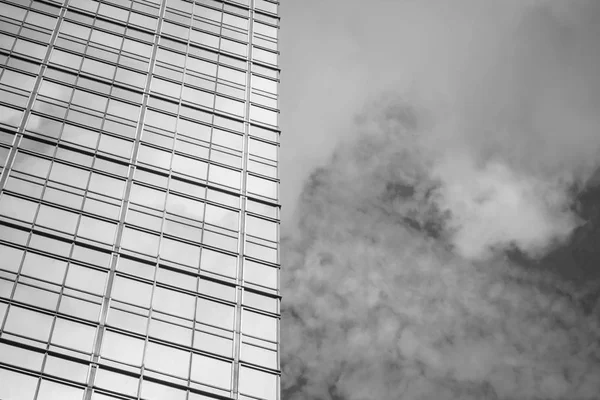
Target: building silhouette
[(139, 215)]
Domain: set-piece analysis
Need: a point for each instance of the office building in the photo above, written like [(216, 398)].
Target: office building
[(139, 215)]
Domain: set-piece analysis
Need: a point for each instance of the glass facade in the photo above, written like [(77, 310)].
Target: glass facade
[(139, 214)]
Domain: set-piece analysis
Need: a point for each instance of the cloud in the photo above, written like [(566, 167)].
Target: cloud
[(395, 279), (377, 305)]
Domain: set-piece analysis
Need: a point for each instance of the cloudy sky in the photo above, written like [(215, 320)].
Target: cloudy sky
[(439, 169)]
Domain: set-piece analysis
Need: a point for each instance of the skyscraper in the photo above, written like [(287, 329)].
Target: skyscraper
[(139, 215)]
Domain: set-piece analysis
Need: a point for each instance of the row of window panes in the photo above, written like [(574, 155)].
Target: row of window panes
[(58, 220), (82, 107), (115, 346), (198, 97), (40, 167), (148, 243), (203, 39), (200, 73), (191, 138), (147, 6), (90, 202), (214, 5), (63, 248), (42, 278), (192, 209), (123, 15), (74, 296), (186, 223), (23, 386), (105, 45), (194, 114), (211, 10), (196, 85), (160, 142), (170, 321), (188, 167), (210, 20), (49, 364), (44, 7), (89, 283), (83, 27), (99, 69), (36, 25), (91, 140), (226, 5), (257, 275), (39, 287), (200, 53), (179, 187), (187, 253)]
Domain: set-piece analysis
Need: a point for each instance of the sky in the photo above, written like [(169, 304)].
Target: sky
[(439, 174)]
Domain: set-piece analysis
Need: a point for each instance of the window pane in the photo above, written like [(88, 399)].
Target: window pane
[(261, 228), (262, 187), (213, 313), (45, 268), (95, 229), (224, 176), (131, 291), (55, 391), (185, 207), (57, 218), (17, 386), (17, 208), (155, 391), (222, 217), (257, 383), (172, 302), (120, 383), (20, 357), (211, 371), (170, 332), (263, 115), (38, 297), (180, 252), (189, 166), (259, 325), (167, 359), (122, 348), (62, 368), (213, 343), (147, 196), (259, 355), (28, 323), (140, 241), (86, 279), (73, 335), (220, 263)]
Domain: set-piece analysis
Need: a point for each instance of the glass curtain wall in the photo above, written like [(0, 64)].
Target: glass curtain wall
[(139, 214)]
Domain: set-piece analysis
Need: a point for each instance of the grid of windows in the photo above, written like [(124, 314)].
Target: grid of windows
[(139, 215)]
